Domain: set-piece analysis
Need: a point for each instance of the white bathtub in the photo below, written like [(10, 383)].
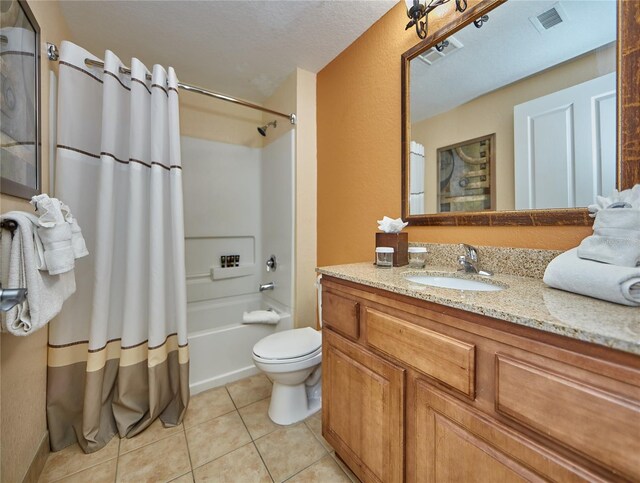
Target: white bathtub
[(220, 346)]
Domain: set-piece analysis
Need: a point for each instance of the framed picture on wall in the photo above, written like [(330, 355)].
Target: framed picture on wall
[(466, 175), (20, 147)]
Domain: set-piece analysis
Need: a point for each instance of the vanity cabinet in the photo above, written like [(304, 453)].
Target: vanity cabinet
[(419, 392), (363, 415)]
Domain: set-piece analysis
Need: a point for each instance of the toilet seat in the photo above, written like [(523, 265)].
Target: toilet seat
[(274, 362), (288, 346)]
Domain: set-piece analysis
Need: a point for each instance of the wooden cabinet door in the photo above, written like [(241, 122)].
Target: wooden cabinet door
[(456, 443), (363, 409)]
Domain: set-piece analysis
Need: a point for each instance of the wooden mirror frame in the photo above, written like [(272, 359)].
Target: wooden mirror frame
[(628, 126)]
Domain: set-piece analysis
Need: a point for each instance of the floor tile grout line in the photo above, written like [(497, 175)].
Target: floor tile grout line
[(67, 475), (318, 437), (230, 397), (186, 440), (177, 477), (326, 453), (253, 441), (245, 425), (210, 419), (304, 422), (221, 456), (278, 426), (115, 476), (264, 463), (147, 444), (83, 454), (340, 463)]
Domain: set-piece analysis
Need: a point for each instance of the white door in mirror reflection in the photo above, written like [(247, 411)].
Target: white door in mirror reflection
[(416, 179), (565, 146)]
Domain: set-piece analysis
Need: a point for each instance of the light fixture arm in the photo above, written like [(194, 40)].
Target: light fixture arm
[(417, 11)]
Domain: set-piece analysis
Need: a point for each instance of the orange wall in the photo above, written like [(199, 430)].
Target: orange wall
[(23, 360), (359, 150)]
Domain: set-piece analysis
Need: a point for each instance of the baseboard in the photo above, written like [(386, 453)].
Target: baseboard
[(39, 459)]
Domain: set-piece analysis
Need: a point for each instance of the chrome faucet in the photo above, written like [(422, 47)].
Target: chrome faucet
[(267, 286), (470, 261)]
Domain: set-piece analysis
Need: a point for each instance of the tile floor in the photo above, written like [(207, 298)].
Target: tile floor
[(226, 436)]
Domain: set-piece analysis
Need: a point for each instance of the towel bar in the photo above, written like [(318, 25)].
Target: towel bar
[(9, 297), (9, 225)]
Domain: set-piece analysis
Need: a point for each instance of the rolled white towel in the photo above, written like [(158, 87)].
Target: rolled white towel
[(616, 284), (260, 317)]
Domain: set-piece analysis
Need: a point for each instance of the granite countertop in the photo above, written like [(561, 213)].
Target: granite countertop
[(525, 301)]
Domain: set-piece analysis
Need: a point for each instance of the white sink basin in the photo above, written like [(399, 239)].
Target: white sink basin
[(454, 283)]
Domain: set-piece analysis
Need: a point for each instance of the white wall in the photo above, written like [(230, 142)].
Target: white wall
[(222, 215), (298, 94), (239, 200), (278, 215)]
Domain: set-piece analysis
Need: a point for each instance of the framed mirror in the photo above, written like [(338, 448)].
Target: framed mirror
[(522, 119), (20, 147)]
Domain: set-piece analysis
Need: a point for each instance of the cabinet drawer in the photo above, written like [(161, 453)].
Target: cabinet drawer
[(341, 314), (442, 357), (599, 424)]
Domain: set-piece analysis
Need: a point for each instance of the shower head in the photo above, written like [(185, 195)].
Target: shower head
[(263, 129)]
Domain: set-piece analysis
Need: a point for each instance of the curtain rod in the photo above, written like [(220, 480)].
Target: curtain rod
[(52, 54)]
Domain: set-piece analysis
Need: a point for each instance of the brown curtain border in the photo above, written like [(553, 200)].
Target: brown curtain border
[(70, 344), (122, 161), (79, 69)]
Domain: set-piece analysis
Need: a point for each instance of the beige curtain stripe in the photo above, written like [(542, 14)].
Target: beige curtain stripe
[(73, 354), (67, 355)]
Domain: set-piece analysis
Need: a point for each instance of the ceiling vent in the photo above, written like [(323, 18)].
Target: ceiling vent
[(549, 18), (448, 47)]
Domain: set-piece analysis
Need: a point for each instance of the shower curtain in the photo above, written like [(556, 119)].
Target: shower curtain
[(118, 356)]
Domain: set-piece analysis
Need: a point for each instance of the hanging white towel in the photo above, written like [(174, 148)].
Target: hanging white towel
[(77, 240), (58, 251), (594, 279), (260, 317), (45, 293), (60, 238)]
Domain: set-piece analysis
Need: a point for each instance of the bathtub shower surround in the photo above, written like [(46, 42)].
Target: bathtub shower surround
[(248, 212), (118, 355)]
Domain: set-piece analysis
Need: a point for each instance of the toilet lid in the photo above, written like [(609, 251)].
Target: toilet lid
[(289, 344)]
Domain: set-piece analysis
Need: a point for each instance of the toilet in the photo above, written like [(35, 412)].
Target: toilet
[(292, 360)]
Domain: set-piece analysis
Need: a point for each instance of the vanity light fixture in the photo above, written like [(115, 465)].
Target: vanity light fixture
[(480, 21), (416, 11), (442, 45)]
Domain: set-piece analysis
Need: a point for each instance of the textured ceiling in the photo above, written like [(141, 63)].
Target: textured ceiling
[(241, 48), (508, 48)]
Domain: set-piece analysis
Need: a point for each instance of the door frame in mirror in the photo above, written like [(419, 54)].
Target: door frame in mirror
[(628, 126)]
